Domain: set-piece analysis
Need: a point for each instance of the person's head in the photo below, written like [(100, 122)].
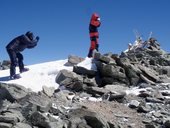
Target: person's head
[(30, 35), (95, 16)]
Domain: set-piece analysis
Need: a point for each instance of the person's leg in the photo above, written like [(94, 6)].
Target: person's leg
[(13, 59), (20, 63), (92, 47), (97, 44)]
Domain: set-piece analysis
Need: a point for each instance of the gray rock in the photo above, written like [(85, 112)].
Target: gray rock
[(97, 55), (5, 65), (12, 92), (153, 100), (57, 124), (66, 77), (132, 73), (83, 71), (4, 105), (157, 94), (14, 113), (116, 87), (5, 125), (39, 119), (112, 71), (105, 59), (115, 125), (157, 114), (165, 93), (144, 109), (48, 90), (111, 74), (35, 102), (164, 70), (73, 60), (154, 52), (150, 126), (70, 80), (47, 121), (134, 104), (167, 124), (145, 79), (22, 125), (149, 73), (90, 119), (55, 110), (90, 82), (9, 118), (114, 96), (144, 94), (61, 97), (96, 90)]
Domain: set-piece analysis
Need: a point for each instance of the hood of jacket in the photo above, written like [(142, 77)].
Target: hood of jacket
[(94, 16)]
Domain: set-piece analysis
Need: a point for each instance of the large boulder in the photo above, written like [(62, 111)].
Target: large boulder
[(73, 60), (12, 92), (111, 74), (70, 80), (83, 71), (83, 118)]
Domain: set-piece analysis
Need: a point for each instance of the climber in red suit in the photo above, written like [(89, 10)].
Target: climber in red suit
[(94, 35)]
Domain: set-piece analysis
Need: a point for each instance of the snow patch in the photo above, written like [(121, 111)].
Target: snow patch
[(42, 74), (88, 64)]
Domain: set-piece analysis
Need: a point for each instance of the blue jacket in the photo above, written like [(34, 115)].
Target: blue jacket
[(20, 43)]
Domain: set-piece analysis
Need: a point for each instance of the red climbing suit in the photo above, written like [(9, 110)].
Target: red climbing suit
[(93, 31)]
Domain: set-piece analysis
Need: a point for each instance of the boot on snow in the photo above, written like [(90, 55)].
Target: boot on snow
[(16, 76), (24, 70)]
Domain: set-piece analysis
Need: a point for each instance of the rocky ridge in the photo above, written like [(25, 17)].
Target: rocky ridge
[(102, 98)]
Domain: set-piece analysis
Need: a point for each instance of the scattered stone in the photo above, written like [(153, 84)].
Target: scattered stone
[(112, 96), (49, 91), (153, 100), (143, 109), (134, 104)]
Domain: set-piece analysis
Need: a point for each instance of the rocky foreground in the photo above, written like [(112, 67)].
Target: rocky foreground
[(131, 90)]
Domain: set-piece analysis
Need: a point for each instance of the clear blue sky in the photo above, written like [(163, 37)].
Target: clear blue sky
[(62, 25)]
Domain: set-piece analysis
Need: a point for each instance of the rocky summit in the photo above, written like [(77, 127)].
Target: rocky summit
[(130, 90)]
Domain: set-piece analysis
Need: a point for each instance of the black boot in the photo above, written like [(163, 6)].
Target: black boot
[(16, 76)]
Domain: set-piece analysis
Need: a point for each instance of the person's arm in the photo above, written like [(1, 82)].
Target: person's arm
[(31, 43), (96, 23)]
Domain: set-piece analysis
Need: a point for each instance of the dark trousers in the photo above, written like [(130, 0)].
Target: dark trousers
[(16, 58)]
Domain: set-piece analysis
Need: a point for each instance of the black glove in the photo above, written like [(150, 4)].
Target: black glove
[(97, 47), (37, 38)]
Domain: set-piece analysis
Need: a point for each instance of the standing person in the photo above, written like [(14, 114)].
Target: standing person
[(94, 35), (14, 49)]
